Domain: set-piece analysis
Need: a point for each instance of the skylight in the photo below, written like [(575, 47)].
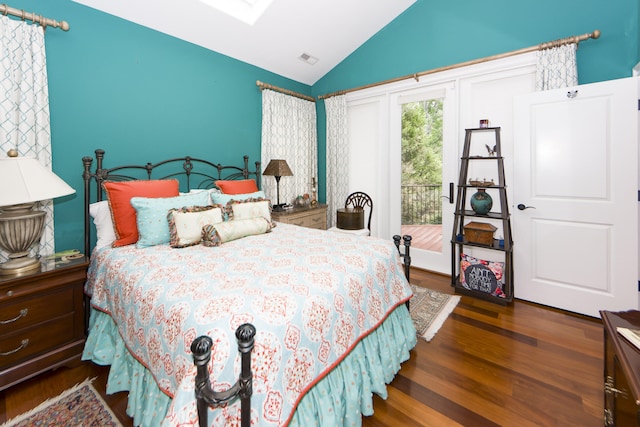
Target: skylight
[(247, 11)]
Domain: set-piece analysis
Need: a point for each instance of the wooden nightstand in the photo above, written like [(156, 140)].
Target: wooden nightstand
[(304, 217), (42, 320), (621, 370)]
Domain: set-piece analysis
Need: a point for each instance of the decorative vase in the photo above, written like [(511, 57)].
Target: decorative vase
[(481, 202)]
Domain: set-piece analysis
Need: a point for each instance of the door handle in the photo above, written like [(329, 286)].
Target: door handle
[(450, 197), (523, 207)]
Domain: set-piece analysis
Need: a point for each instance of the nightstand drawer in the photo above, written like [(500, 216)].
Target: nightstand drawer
[(303, 217), (25, 312), (28, 342), (42, 320), (311, 221)]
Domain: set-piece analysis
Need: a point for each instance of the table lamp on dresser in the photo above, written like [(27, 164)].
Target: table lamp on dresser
[(24, 181), (278, 168)]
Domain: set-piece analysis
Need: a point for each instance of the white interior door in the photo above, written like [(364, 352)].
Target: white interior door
[(576, 176)]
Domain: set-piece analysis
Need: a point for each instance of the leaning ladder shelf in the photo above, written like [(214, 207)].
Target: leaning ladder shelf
[(459, 240)]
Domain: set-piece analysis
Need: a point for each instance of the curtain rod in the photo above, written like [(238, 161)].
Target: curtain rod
[(262, 86), (416, 76), (31, 16)]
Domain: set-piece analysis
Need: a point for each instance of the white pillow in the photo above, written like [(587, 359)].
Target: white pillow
[(185, 224), (101, 215), (223, 199), (251, 208)]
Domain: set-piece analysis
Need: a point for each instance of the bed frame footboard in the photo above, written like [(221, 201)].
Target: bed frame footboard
[(243, 388), (406, 256)]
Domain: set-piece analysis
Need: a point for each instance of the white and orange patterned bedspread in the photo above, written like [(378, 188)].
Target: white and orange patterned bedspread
[(311, 294)]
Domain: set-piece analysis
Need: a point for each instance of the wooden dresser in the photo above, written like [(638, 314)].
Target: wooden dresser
[(621, 370), (304, 217), (42, 320)]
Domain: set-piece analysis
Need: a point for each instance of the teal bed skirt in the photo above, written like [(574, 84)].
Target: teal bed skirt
[(338, 399)]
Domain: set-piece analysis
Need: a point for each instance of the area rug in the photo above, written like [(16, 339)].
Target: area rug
[(429, 309), (80, 405)]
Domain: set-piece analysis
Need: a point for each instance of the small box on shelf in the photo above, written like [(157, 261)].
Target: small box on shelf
[(479, 232)]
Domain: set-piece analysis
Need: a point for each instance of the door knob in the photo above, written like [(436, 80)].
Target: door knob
[(523, 207), (450, 197)]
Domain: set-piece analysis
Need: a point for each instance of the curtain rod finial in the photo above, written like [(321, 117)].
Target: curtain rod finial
[(64, 25), (595, 34)]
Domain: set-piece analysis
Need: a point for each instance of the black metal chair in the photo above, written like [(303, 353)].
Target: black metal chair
[(360, 200)]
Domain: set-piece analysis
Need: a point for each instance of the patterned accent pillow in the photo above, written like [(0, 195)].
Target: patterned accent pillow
[(223, 199), (249, 208), (123, 214), (151, 216), (215, 235), (185, 224), (481, 275), (237, 186)]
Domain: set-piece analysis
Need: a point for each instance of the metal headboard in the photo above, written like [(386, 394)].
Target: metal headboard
[(192, 173)]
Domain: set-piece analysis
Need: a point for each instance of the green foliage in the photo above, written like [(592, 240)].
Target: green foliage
[(422, 162), (422, 142)]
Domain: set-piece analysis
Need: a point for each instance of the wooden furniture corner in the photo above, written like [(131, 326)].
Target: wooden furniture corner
[(42, 320), (315, 217), (621, 370)]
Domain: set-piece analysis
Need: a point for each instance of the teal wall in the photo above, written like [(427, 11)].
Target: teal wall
[(436, 33), (142, 96), (145, 96)]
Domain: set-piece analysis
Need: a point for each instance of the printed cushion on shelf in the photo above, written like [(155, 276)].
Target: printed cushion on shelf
[(185, 224), (151, 215), (123, 215), (482, 276), (215, 235)]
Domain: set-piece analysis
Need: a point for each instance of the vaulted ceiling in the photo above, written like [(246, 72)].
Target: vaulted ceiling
[(285, 32)]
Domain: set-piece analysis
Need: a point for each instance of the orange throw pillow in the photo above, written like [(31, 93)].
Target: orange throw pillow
[(123, 214), (241, 186)]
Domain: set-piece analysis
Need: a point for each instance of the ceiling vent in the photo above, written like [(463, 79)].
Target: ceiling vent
[(311, 60)]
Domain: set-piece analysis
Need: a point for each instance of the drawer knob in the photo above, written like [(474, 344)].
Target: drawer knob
[(23, 313), (609, 388), (24, 343)]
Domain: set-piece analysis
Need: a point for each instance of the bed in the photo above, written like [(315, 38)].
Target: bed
[(331, 323)]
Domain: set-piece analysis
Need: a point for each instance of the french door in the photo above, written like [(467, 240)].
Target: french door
[(423, 133)]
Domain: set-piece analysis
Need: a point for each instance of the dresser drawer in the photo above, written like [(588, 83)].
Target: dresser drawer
[(316, 220), (304, 217), (24, 312), (25, 343)]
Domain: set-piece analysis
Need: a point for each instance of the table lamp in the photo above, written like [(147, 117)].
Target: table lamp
[(24, 181), (278, 168)]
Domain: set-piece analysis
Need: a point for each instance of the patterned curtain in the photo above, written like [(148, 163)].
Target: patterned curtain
[(24, 103), (556, 67), (289, 133), (337, 154)]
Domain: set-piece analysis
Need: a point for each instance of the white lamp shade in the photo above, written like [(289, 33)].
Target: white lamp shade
[(26, 180)]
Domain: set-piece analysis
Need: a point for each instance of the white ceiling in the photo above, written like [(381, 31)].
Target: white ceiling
[(329, 30)]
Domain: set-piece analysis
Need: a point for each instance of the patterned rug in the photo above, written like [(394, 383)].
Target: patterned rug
[(429, 309), (80, 405)]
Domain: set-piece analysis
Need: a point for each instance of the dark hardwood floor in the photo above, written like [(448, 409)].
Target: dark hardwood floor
[(489, 365)]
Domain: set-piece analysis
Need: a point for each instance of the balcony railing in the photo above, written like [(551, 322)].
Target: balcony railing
[(421, 204)]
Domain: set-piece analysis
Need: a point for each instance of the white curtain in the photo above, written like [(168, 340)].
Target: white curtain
[(556, 67), (24, 102), (289, 133), (337, 154)]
